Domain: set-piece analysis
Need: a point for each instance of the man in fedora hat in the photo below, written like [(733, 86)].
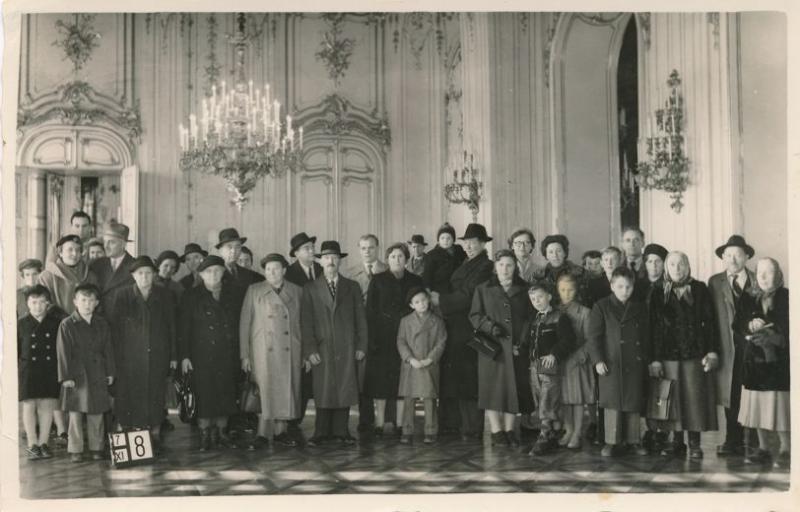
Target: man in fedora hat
[(113, 270), (458, 377), (304, 270), (192, 256), (727, 288), (143, 326), (416, 263), (230, 247), (334, 338)]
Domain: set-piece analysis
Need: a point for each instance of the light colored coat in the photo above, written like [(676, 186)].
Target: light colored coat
[(359, 274), (61, 281), (420, 338), (269, 336), (725, 309)]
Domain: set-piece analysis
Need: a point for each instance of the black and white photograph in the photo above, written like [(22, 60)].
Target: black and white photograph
[(407, 255)]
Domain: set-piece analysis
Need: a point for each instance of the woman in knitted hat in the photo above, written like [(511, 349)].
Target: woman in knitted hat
[(442, 260)]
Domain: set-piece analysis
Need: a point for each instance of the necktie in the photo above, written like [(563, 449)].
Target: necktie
[(369, 270), (232, 270), (737, 289), (310, 273), (632, 264), (332, 288)]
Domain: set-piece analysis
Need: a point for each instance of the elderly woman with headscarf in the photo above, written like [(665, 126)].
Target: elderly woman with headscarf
[(685, 347), (762, 318), (555, 248)]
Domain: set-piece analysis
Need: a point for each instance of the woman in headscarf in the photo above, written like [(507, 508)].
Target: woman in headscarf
[(685, 347), (763, 319)]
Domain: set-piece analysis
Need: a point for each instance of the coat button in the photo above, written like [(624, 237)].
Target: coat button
[(47, 335), (621, 342), (33, 358), (48, 358), (210, 327), (33, 346), (33, 335), (285, 333), (47, 347)]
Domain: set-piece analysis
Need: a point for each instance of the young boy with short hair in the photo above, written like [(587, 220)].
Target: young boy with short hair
[(85, 370)]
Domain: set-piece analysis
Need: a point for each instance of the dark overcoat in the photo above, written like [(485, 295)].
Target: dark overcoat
[(498, 382), (109, 279), (86, 356), (619, 335), (681, 331), (208, 334), (295, 273), (762, 373), (244, 277), (459, 363), (440, 265), (334, 329), (144, 337), (386, 306), (37, 359), (729, 341)]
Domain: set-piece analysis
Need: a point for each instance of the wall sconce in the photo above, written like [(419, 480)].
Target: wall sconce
[(465, 188)]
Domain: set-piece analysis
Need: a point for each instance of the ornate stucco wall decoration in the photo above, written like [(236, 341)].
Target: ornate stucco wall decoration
[(77, 103), (213, 68), (335, 51), (713, 19), (644, 25), (79, 39), (548, 47), (336, 116)]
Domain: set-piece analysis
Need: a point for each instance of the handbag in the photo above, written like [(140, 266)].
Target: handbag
[(541, 370), (250, 400), (485, 345), (187, 402), (659, 398)]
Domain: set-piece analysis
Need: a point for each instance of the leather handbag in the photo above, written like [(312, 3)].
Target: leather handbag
[(251, 399), (187, 402), (485, 345), (659, 398), (541, 370)]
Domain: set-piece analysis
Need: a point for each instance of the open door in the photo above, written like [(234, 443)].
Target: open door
[(129, 205)]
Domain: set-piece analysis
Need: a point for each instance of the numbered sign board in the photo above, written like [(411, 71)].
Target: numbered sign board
[(130, 448)]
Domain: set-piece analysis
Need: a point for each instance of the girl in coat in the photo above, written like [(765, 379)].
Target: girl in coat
[(619, 343), (500, 308), (386, 306), (207, 338), (442, 260), (685, 350), (763, 319), (578, 385), (420, 341), (37, 363)]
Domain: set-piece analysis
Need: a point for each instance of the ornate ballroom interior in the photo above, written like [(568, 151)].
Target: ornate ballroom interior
[(553, 121)]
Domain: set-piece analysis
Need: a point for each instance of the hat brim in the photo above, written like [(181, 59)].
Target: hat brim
[(746, 248), (134, 268), (116, 235), (182, 258), (481, 238), (294, 248), (413, 242), (240, 239), (340, 254)]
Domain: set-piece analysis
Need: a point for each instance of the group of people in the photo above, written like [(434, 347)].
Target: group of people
[(628, 342)]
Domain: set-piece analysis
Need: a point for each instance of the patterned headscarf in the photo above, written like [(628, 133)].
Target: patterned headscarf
[(765, 297), (681, 288)]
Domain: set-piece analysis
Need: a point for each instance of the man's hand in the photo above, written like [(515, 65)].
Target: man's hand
[(549, 361), (359, 355), (246, 366), (601, 368), (68, 383), (186, 365), (415, 363), (756, 324), (315, 359), (109, 380), (173, 364)]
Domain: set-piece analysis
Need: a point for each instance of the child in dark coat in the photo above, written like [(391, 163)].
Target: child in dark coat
[(619, 344), (38, 368), (85, 370), (549, 339), (420, 341), (442, 260)]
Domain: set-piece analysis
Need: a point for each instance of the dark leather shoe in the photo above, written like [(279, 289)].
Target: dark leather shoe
[(258, 443), (205, 439), (782, 461), (725, 450), (46, 453), (405, 439), (499, 439), (758, 456), (316, 441), (513, 440), (76, 457), (695, 453), (347, 440), (98, 456), (285, 439)]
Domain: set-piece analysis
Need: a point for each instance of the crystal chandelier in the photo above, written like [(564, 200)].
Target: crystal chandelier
[(238, 134), (466, 187)]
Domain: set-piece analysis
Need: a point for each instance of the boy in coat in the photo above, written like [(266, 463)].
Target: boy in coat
[(619, 345), (85, 370), (420, 341), (334, 338)]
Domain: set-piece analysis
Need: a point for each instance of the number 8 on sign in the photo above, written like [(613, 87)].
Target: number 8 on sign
[(141, 448)]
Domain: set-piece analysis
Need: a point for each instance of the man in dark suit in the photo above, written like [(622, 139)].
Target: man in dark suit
[(230, 247), (334, 337), (113, 270), (632, 246), (304, 270), (727, 288)]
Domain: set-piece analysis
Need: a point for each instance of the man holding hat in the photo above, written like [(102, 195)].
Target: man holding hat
[(727, 288), (334, 337), (305, 269), (143, 332), (29, 271), (271, 351), (230, 248), (416, 263), (458, 388), (113, 270), (193, 255)]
